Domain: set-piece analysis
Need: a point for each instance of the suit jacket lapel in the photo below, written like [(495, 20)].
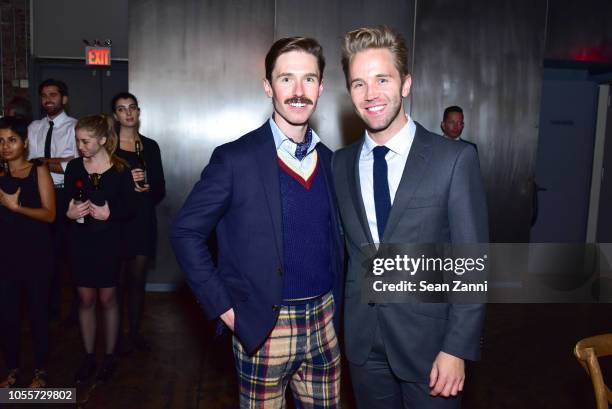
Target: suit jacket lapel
[(355, 191), (417, 162), (325, 165), (267, 161)]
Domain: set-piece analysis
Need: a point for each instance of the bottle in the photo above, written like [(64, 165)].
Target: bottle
[(8, 184), (95, 181), (96, 196), (141, 162), (79, 197), (6, 169)]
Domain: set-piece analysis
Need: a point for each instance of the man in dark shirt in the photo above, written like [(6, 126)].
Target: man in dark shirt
[(452, 124)]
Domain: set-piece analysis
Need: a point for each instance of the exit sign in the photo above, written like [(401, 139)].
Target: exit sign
[(98, 56)]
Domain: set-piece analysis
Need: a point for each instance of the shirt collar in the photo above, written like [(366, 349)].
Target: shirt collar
[(58, 120), (399, 143), (282, 141), (452, 139)]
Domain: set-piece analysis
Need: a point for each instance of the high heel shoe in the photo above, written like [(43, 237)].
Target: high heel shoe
[(86, 370), (107, 369)]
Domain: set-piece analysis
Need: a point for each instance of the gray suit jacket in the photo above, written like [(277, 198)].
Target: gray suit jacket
[(440, 199)]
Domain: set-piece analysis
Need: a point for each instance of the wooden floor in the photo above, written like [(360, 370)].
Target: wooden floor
[(527, 360)]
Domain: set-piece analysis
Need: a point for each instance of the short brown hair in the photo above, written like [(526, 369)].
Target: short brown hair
[(365, 38), (285, 45), (51, 82)]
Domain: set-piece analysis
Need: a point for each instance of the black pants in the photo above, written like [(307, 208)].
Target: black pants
[(36, 293), (376, 386)]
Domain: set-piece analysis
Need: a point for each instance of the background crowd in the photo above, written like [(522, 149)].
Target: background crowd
[(77, 202)]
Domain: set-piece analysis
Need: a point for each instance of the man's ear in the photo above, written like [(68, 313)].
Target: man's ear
[(406, 86), (65, 100), (268, 88)]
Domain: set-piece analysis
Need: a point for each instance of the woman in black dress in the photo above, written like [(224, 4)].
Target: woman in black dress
[(139, 235), (101, 190), (27, 207)]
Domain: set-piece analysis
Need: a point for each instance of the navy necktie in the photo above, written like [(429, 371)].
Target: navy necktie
[(302, 148), (48, 140), (382, 197)]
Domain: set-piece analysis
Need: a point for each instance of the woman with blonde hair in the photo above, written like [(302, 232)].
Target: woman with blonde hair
[(100, 189)]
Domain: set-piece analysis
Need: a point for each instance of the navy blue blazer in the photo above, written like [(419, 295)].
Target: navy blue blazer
[(239, 195)]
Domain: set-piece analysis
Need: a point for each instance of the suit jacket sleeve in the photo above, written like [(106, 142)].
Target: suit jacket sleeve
[(468, 224), (204, 207)]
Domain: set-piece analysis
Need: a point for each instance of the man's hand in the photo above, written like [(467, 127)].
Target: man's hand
[(228, 318), (55, 164), (447, 375)]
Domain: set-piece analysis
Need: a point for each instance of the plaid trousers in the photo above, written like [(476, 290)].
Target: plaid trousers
[(302, 351)]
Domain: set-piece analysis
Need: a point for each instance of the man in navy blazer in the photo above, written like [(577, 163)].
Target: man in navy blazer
[(402, 184), (269, 195)]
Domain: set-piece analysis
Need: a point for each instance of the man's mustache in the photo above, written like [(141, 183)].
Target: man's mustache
[(299, 100)]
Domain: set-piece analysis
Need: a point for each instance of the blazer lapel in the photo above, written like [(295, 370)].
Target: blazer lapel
[(355, 190), (417, 162), (325, 164), (267, 161), (325, 167)]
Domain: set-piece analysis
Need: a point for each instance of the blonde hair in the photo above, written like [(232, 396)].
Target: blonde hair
[(365, 38), (103, 126)]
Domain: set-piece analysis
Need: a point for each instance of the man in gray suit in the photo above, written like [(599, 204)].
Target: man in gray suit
[(403, 184)]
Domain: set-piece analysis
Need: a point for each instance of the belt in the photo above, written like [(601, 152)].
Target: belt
[(59, 186), (304, 300)]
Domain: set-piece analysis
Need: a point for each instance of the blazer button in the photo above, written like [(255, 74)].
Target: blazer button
[(275, 307)]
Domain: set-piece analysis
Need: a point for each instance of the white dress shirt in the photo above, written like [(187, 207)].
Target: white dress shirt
[(63, 142), (399, 148)]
